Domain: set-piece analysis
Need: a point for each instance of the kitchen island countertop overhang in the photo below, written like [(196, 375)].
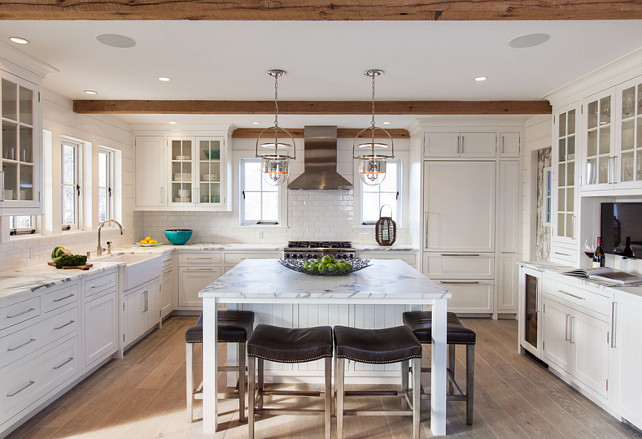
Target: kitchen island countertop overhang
[(266, 281)]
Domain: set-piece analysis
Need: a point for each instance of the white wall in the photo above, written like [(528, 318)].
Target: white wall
[(97, 130)]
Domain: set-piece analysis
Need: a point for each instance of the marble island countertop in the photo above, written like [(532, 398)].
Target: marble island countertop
[(266, 278)]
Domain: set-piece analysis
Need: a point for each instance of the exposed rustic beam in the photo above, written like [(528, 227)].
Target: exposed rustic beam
[(320, 10), (349, 133), (311, 107)]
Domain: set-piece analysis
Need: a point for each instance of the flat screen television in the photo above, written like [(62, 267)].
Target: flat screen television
[(620, 221)]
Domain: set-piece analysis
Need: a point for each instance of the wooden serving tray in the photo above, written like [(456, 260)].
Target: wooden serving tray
[(69, 267)]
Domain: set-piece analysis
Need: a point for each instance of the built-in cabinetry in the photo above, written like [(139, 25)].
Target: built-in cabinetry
[(196, 270), (409, 257), (140, 311), (182, 173), (20, 142), (169, 287), (100, 318), (587, 333)]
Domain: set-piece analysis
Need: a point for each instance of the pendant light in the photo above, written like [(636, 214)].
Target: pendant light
[(372, 161), (273, 146)]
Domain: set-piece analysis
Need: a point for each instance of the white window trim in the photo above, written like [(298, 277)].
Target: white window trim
[(402, 208), (78, 183), (111, 189), (239, 157)]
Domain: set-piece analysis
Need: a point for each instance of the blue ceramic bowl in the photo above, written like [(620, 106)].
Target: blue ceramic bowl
[(178, 236), (212, 154)]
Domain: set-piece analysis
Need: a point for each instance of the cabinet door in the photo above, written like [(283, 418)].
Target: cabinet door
[(629, 137), (129, 319), (478, 144), (441, 144), (209, 178), (459, 203), (181, 171), (509, 144), (556, 333), (191, 281), (507, 288), (590, 340), (150, 172), (144, 315), (20, 146), (470, 296), (564, 163), (599, 172), (508, 206), (100, 338), (167, 292), (629, 357)]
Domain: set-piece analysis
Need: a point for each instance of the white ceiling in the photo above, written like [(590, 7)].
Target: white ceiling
[(227, 60)]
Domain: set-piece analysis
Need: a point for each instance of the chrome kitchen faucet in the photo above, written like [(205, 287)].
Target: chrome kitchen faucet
[(100, 249)]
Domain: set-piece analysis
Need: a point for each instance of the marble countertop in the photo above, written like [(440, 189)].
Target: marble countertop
[(265, 280)]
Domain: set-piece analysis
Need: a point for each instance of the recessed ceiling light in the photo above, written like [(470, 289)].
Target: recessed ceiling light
[(91, 92), (172, 123), (481, 78), (530, 40), (164, 79), (115, 40), (386, 123), (19, 40), (255, 123)]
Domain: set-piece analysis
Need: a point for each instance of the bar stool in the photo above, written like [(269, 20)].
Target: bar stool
[(378, 346), (288, 345), (420, 322), (233, 327)]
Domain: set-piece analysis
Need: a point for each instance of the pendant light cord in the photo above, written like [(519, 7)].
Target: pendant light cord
[(372, 124), (276, 113)]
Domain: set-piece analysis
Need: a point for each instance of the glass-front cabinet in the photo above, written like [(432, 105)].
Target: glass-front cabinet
[(19, 145), (599, 158), (629, 138), (196, 171), (565, 161)]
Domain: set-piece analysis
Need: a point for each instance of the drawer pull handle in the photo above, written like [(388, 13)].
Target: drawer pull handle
[(66, 324), (458, 255), (21, 313), (459, 282), (30, 383), (15, 348), (198, 269), (63, 363), (562, 254), (198, 259), (101, 285), (572, 295), (60, 299)]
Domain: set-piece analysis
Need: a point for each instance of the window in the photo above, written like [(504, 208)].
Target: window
[(260, 202), (70, 167), (21, 225), (105, 184), (547, 195), (388, 192)]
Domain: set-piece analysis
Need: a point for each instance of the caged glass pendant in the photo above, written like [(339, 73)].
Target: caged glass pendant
[(369, 151), (275, 145)]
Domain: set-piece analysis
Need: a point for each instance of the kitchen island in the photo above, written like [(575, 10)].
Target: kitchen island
[(265, 281)]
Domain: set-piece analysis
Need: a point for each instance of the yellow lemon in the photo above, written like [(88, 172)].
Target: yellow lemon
[(147, 238), (142, 241), (153, 241)]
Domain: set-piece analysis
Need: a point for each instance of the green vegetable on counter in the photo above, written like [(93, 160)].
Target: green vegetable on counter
[(71, 261), (59, 251)]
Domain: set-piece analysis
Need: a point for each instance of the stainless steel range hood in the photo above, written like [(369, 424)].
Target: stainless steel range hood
[(320, 159)]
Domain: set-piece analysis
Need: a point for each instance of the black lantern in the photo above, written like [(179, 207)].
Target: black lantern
[(386, 228)]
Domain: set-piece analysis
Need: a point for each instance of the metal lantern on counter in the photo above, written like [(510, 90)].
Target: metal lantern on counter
[(385, 228)]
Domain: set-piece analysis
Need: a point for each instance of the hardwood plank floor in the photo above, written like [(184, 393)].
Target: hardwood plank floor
[(143, 396)]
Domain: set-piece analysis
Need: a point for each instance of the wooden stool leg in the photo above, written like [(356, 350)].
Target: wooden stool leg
[(328, 396), (416, 396), (250, 392), (451, 367), (241, 362), (339, 380), (470, 382), (404, 381), (189, 378)]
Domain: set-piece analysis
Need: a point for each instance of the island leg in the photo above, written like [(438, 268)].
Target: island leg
[(210, 356), (438, 369)]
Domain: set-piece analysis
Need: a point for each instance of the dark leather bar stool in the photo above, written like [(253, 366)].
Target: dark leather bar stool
[(420, 322), (233, 327), (288, 345), (378, 346)]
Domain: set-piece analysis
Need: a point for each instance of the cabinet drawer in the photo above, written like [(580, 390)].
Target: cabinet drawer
[(199, 258), (100, 284), (60, 297), (460, 265), (21, 343), (23, 384), (410, 259), (472, 296), (578, 296), (19, 312)]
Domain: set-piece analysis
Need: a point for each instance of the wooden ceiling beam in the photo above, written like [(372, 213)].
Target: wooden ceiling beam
[(349, 133), (352, 10), (310, 107)]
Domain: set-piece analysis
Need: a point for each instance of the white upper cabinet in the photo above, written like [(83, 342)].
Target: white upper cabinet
[(465, 145), (150, 172), (20, 146), (599, 150), (629, 134), (509, 144), (565, 157)]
